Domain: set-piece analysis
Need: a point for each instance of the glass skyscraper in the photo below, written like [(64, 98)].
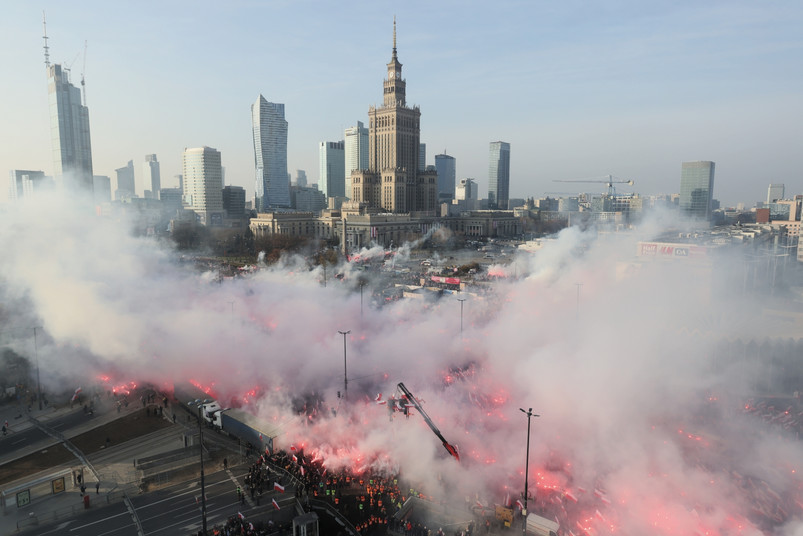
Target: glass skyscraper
[(272, 189), (445, 165), (152, 176), (499, 175), (697, 188), (332, 158), (69, 131)]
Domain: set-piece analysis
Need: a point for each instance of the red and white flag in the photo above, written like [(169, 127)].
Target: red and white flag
[(599, 515), (302, 470), (278, 487), (241, 516), (293, 448), (520, 504), (569, 495), (295, 458), (75, 396), (275, 504)]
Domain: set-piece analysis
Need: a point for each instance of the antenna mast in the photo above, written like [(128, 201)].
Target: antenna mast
[(47, 49)]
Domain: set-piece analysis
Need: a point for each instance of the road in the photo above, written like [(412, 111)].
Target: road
[(33, 435), (174, 510)]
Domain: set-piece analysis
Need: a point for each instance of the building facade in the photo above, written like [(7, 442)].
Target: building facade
[(499, 175), (775, 192), (272, 188), (392, 181), (332, 159), (69, 131), (151, 176), (355, 145), (23, 183), (102, 186), (203, 184), (447, 172), (697, 188), (126, 186)]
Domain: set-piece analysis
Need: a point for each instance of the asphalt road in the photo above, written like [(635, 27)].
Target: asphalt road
[(174, 510), (25, 438)]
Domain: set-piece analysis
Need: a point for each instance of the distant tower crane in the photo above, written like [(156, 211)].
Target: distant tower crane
[(83, 82), (610, 180)]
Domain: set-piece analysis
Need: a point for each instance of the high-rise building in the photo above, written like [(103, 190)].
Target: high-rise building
[(499, 175), (355, 144), (332, 158), (203, 184), (270, 155), (126, 188), (697, 188), (392, 181), (467, 189), (171, 200), (233, 198), (69, 131), (151, 176), (102, 185), (447, 173), (775, 192), (24, 183), (301, 178)]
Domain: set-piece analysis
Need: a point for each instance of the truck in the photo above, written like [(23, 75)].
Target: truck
[(245, 427), (541, 526)]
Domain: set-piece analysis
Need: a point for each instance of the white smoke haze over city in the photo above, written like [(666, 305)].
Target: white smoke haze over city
[(638, 422)]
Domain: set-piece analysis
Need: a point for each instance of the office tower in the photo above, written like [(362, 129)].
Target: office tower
[(774, 193), (301, 178), (499, 175), (23, 182), (392, 181), (332, 158), (697, 188), (272, 189), (102, 186), (355, 144), (171, 200), (180, 179), (445, 166), (69, 131), (151, 177), (467, 189), (233, 198), (125, 182), (422, 156), (203, 184)]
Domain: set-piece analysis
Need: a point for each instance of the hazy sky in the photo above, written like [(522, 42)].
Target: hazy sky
[(579, 89)]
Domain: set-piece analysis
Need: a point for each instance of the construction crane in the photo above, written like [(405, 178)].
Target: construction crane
[(83, 82), (610, 180)]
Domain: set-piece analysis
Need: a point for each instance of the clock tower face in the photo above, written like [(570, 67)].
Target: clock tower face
[(391, 74)]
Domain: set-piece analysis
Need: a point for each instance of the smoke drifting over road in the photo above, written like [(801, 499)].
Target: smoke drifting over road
[(642, 427)]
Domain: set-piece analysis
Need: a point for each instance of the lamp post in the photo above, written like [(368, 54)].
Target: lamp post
[(200, 404), (461, 300), (529, 414), (345, 370), (38, 383)]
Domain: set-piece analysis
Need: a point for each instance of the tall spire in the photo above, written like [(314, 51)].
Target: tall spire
[(47, 49), (394, 36)]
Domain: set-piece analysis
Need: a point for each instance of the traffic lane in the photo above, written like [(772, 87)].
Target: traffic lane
[(177, 509), (19, 440), (112, 520)]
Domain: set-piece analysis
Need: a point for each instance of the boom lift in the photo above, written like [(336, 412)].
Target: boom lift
[(412, 400)]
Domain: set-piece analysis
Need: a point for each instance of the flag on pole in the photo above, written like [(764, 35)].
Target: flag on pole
[(293, 448), (520, 504), (569, 495), (278, 487), (75, 396), (275, 504), (302, 470), (242, 517)]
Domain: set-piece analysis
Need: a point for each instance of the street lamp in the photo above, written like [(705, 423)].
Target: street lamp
[(345, 370), (461, 300), (529, 414), (38, 383), (200, 404)]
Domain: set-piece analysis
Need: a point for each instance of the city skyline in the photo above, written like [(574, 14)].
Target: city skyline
[(629, 90)]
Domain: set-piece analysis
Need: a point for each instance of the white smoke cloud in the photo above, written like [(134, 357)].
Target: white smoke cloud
[(603, 347)]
